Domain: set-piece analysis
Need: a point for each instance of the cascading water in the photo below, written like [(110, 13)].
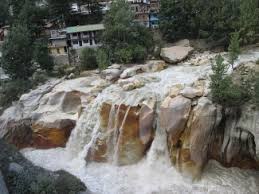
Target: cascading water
[(154, 173)]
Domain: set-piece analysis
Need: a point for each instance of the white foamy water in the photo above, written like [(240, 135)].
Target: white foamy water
[(154, 174)]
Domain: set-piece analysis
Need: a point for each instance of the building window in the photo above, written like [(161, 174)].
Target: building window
[(85, 33), (75, 42), (65, 49), (85, 41), (58, 51), (74, 34)]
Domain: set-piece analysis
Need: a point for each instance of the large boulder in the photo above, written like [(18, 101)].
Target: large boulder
[(175, 54), (126, 133), (234, 146), (45, 117), (198, 132), (174, 114), (21, 176)]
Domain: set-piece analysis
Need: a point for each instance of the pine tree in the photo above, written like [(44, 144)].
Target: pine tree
[(17, 53), (234, 49)]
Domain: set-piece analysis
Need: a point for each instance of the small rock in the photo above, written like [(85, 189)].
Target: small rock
[(191, 93), (131, 72), (3, 188), (175, 90), (115, 66), (154, 66), (111, 74), (14, 167)]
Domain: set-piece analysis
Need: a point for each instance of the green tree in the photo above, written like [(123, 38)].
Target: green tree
[(248, 20), (17, 53), (88, 59), (122, 35), (223, 90), (33, 17), (41, 55), (234, 48), (102, 59)]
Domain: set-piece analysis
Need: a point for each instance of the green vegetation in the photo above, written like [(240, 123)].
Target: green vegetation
[(88, 59), (123, 39), (224, 91), (212, 20), (17, 53), (256, 90), (234, 48)]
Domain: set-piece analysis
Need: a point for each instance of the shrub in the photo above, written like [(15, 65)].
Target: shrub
[(223, 90), (12, 90), (88, 59), (102, 59)]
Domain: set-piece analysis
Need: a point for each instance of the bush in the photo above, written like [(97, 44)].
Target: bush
[(88, 59), (224, 91), (102, 59), (12, 90)]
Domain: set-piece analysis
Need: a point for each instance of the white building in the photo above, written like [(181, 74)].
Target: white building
[(84, 36)]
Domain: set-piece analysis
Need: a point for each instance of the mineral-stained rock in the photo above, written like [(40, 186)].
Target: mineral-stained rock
[(232, 145), (45, 117), (45, 136), (174, 113), (175, 90), (175, 54), (202, 134), (154, 66), (126, 133)]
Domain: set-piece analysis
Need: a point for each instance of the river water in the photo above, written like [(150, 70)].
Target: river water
[(154, 174)]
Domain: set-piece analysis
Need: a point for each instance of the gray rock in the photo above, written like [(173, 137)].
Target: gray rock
[(3, 188), (175, 54), (14, 167)]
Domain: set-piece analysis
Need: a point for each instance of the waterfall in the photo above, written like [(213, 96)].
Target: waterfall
[(154, 173)]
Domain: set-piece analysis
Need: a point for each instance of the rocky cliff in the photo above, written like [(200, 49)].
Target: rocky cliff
[(114, 116)]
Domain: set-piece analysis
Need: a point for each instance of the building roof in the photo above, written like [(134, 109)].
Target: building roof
[(86, 28)]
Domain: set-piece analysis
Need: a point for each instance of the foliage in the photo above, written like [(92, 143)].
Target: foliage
[(122, 35), (88, 59), (102, 59), (248, 20), (223, 90), (234, 48), (33, 17), (12, 90), (41, 55), (17, 53), (213, 20)]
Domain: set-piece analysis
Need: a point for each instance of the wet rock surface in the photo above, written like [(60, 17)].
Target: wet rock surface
[(126, 133)]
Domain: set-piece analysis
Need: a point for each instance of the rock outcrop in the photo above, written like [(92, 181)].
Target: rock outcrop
[(21, 176), (126, 133), (198, 132), (176, 53), (44, 118)]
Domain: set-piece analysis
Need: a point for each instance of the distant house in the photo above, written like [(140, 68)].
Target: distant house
[(58, 42), (83, 36)]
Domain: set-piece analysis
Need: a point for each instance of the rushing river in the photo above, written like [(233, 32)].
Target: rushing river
[(154, 174)]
